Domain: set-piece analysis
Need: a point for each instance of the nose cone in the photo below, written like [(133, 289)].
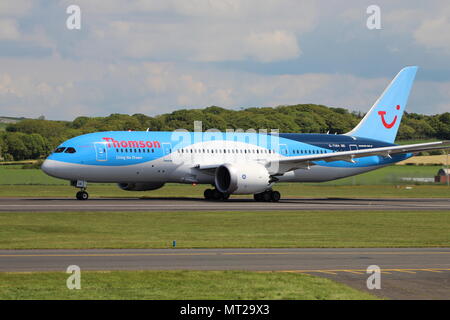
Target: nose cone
[(49, 167), (46, 166)]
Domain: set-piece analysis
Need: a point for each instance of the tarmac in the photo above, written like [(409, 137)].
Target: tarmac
[(197, 204), (405, 273)]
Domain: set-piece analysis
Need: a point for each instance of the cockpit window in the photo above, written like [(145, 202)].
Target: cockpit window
[(59, 150), (70, 150)]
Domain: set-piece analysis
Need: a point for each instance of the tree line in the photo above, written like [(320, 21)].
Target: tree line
[(35, 138)]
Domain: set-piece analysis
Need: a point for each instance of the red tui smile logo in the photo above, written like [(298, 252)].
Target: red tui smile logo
[(383, 120)]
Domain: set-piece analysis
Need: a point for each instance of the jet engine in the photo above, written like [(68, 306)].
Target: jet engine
[(242, 178), (140, 186)]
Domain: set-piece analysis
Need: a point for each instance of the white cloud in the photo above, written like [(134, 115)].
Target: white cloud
[(194, 42), (66, 89), (9, 29), (15, 8), (272, 46), (435, 33), (197, 30), (114, 63)]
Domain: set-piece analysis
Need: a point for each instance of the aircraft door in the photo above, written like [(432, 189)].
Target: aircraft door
[(167, 150), (101, 152), (283, 150)]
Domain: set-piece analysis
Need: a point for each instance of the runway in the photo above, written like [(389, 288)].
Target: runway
[(196, 204), (410, 273), (407, 273)]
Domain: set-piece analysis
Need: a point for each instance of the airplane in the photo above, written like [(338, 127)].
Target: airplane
[(239, 162)]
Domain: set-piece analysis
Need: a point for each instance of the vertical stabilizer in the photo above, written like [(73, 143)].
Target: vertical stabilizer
[(383, 119)]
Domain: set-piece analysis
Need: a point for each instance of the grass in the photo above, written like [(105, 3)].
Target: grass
[(175, 285), (426, 160), (284, 229), (288, 190), (14, 175), (386, 182), (403, 142)]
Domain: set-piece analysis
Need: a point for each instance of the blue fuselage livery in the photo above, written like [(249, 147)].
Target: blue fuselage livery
[(238, 162)]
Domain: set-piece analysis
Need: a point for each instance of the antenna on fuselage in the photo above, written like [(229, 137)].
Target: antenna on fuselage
[(148, 129)]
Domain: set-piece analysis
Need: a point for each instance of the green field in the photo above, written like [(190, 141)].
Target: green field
[(175, 285), (386, 182), (282, 229), (180, 191), (14, 175)]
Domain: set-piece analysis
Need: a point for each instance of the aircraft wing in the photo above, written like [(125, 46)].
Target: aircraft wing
[(280, 166), (293, 163)]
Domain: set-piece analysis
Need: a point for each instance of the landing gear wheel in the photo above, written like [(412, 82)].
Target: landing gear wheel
[(267, 196), (258, 197), (82, 195), (275, 196), (209, 194), (217, 195)]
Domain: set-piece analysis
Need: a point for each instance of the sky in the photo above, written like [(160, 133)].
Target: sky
[(157, 56)]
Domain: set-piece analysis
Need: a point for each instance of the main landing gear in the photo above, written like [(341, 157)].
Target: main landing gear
[(267, 196), (82, 194), (214, 194)]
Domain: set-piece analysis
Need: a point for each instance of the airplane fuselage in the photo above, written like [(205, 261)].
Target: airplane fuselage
[(146, 156)]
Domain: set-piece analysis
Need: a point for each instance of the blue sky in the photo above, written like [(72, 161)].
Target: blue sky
[(154, 57)]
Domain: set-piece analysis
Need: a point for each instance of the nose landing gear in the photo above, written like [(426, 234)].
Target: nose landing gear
[(82, 194)]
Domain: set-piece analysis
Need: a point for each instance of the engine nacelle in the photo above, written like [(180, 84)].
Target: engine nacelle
[(140, 186), (242, 178)]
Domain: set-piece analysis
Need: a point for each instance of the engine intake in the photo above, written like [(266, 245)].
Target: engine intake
[(242, 179)]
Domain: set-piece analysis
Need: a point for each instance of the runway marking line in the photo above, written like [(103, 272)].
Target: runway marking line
[(327, 272), (361, 271), (353, 271), (219, 253), (404, 271), (430, 270)]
